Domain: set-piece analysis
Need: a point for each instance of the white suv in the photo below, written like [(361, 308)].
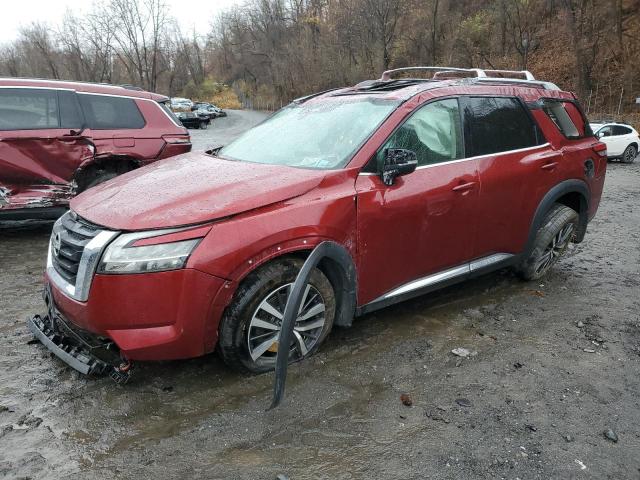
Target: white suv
[(622, 140)]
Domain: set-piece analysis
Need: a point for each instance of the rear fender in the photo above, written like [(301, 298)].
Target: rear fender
[(567, 187)]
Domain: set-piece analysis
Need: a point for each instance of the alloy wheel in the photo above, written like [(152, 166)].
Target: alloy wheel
[(264, 328), (555, 248), (630, 154)]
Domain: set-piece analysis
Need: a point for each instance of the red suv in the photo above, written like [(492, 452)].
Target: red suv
[(60, 138), (419, 182)]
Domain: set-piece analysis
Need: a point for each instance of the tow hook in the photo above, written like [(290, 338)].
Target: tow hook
[(122, 373)]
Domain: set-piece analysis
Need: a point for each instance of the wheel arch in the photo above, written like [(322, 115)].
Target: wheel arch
[(572, 193), (112, 162), (339, 268)]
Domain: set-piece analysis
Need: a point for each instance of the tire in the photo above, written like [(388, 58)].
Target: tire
[(630, 154), (552, 239), (203, 125), (241, 336)]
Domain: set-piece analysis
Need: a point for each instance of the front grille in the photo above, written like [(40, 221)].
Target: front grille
[(66, 250)]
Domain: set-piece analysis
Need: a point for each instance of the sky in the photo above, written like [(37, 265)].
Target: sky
[(189, 13)]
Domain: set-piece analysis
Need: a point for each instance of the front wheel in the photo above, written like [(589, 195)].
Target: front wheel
[(204, 125), (630, 154), (552, 239), (250, 327)]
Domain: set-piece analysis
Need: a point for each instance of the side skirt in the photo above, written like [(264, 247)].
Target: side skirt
[(440, 280)]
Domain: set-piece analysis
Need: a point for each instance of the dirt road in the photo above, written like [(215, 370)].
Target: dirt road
[(557, 364)]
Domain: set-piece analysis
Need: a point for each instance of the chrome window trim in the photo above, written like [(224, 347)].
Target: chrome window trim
[(37, 88), (86, 268), (477, 157)]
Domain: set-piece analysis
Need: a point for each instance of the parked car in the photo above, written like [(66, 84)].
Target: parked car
[(622, 140), (61, 138), (209, 110), (178, 103), (420, 183), (194, 120)]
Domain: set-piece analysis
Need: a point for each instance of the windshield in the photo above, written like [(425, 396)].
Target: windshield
[(321, 135)]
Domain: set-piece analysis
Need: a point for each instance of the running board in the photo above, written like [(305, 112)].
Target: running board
[(438, 280)]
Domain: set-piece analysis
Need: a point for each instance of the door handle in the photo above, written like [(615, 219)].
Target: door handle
[(549, 166), (464, 187)]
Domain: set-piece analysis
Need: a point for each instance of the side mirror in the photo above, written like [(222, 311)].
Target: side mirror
[(398, 162)]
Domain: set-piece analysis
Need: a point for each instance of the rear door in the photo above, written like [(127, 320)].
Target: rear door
[(516, 167), (38, 144), (425, 222)]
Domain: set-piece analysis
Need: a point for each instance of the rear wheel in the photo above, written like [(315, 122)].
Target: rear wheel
[(204, 125), (552, 239), (630, 154), (250, 327)]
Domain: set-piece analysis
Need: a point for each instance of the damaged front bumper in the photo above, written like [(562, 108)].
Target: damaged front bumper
[(82, 351)]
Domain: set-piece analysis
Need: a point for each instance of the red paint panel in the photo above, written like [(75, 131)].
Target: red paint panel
[(418, 226), (151, 315), (192, 188)]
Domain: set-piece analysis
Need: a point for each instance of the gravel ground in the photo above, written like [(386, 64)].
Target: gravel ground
[(557, 364)]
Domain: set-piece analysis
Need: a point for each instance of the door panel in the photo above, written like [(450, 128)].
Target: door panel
[(425, 221), (418, 226), (44, 156), (515, 171), (513, 184)]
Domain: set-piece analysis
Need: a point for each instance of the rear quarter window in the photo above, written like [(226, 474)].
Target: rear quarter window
[(111, 113), (568, 118)]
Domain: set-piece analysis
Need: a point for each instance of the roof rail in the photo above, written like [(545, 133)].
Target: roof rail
[(523, 77), (386, 75), (525, 83)]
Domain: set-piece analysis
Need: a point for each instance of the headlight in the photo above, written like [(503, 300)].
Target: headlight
[(123, 256)]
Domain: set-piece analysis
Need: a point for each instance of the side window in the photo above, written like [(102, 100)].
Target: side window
[(577, 118), (605, 132), (433, 132), (497, 124), (620, 130), (28, 109), (567, 117), (70, 113), (103, 112)]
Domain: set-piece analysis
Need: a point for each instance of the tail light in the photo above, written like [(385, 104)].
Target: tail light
[(177, 139), (601, 149)]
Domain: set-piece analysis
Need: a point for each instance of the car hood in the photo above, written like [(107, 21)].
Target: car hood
[(190, 189)]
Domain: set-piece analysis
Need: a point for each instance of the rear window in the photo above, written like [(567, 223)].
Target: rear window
[(497, 124), (169, 112), (567, 117), (111, 113), (28, 109)]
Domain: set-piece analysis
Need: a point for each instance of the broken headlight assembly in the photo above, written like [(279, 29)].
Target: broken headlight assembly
[(140, 252)]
